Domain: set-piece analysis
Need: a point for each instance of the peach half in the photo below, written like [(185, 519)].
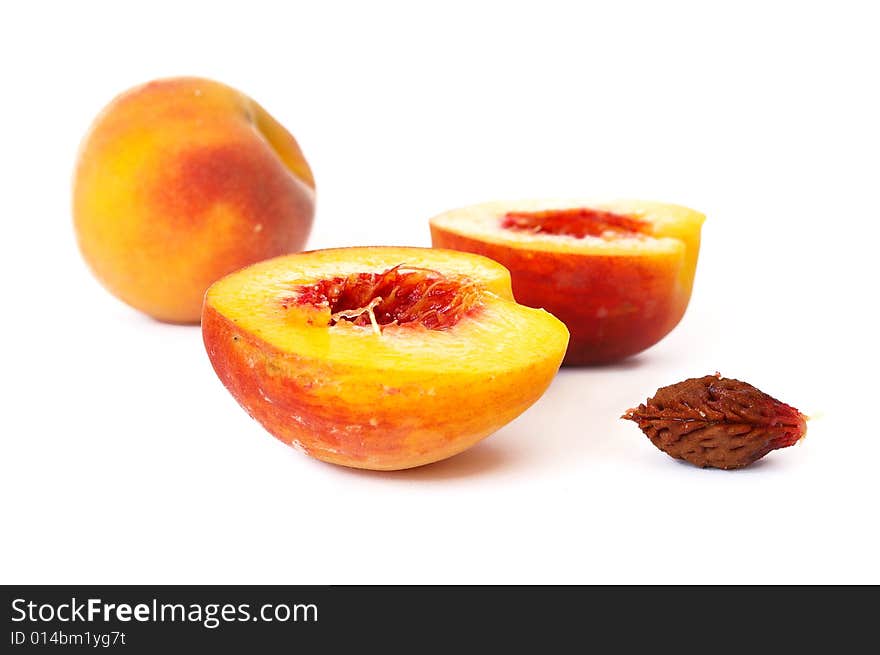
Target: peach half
[(379, 357), (181, 181), (618, 274)]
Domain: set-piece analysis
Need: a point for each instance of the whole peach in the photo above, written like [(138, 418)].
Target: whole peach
[(181, 181)]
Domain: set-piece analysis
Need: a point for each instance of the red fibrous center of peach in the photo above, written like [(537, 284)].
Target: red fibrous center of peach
[(398, 296), (578, 222)]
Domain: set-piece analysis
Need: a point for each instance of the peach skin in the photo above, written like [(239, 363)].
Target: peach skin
[(181, 181), (618, 274), (379, 357)]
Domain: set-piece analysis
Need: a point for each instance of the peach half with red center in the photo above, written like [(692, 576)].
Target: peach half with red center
[(618, 274), (379, 357)]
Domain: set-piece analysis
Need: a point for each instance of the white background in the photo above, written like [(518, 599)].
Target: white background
[(124, 460)]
